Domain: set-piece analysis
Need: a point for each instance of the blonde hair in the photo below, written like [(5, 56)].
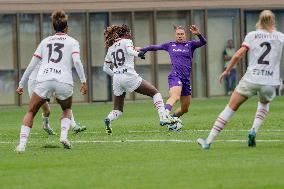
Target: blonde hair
[(266, 21)]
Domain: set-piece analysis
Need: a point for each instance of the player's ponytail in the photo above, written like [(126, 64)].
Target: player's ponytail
[(266, 21), (59, 21)]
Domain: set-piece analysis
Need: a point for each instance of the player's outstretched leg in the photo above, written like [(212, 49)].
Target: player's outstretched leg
[(235, 101), (218, 126), (45, 119), (165, 118), (261, 113), (148, 89), (76, 127)]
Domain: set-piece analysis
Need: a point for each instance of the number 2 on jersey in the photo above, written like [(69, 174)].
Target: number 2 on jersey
[(118, 58), (58, 49), (268, 49)]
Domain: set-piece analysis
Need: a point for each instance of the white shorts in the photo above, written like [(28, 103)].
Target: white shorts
[(47, 88), (264, 92), (31, 86), (126, 82)]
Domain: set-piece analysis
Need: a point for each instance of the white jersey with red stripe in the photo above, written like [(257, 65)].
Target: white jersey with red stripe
[(56, 53), (265, 51), (121, 54), (33, 75)]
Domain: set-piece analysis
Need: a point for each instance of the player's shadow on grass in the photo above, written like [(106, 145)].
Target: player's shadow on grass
[(51, 146)]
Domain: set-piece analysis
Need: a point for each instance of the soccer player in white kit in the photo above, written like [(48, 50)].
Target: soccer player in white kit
[(261, 78), (57, 54), (76, 128), (121, 55)]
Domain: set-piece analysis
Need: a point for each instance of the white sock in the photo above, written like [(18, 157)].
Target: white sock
[(159, 104), (114, 114), (45, 120), (65, 125), (261, 113), (220, 123), (24, 134), (73, 123)]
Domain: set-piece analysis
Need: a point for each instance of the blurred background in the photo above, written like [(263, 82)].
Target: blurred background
[(24, 23)]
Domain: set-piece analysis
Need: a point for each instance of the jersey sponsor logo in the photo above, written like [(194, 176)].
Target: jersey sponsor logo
[(260, 72), (180, 50), (51, 70)]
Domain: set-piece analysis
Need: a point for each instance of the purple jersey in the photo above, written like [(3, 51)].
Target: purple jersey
[(181, 55)]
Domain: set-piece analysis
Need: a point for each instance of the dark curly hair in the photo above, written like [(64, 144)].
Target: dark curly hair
[(114, 32)]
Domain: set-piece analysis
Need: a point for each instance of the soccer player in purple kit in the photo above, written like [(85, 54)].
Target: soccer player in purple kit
[(181, 55)]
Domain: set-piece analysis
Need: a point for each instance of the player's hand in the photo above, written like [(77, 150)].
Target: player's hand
[(20, 90), (194, 30), (137, 48), (223, 75), (141, 54), (83, 88)]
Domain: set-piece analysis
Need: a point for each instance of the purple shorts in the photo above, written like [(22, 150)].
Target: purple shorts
[(185, 83)]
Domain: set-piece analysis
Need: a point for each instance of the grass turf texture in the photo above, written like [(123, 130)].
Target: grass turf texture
[(95, 163)]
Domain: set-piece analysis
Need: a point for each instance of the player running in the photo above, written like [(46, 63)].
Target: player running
[(261, 78), (57, 55), (121, 55), (181, 54)]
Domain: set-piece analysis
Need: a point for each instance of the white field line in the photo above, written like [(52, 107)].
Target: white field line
[(148, 141), (188, 130), (158, 131)]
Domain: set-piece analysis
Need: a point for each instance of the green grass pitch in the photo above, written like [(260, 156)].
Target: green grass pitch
[(142, 155)]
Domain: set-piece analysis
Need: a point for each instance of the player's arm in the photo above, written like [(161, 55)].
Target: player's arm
[(80, 71), (234, 60), (33, 63), (107, 68), (197, 43), (79, 67), (129, 47), (155, 47)]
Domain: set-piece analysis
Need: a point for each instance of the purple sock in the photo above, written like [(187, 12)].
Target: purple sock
[(168, 107)]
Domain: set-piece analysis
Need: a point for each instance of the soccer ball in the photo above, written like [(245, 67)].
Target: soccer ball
[(175, 127)]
